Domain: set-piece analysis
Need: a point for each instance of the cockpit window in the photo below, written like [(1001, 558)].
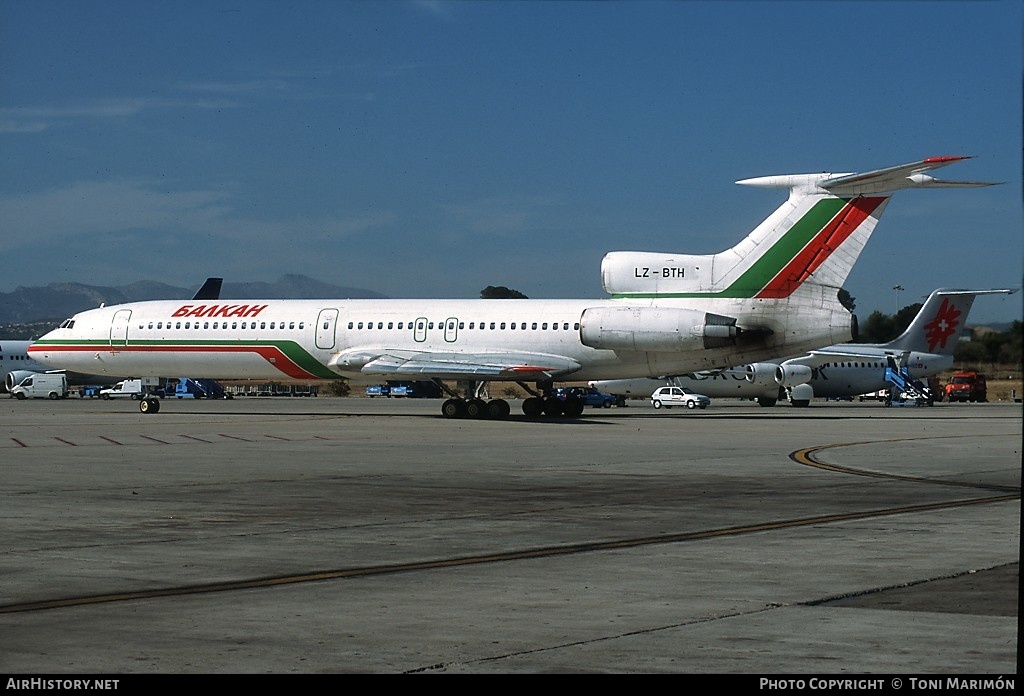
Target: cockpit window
[(67, 324)]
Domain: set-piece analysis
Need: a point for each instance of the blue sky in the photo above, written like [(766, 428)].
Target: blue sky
[(428, 149)]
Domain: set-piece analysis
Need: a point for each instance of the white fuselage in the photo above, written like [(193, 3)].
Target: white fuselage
[(324, 339)]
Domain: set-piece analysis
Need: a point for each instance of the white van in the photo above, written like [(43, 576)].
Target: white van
[(128, 387), (42, 386)]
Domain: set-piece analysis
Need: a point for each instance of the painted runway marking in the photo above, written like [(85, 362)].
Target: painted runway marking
[(107, 440), (806, 457)]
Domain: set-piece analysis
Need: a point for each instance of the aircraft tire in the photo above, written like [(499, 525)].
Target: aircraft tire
[(453, 408), (553, 406), (498, 408), (801, 403), (573, 408), (476, 408), (149, 406), (533, 407), (767, 403)]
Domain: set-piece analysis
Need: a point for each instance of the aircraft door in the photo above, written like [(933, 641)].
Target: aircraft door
[(419, 333), (119, 329), (451, 329), (326, 324)]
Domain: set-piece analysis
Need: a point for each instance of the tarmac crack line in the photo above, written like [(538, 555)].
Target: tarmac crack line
[(593, 641), (526, 554)]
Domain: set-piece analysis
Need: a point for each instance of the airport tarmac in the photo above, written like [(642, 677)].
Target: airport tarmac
[(334, 535)]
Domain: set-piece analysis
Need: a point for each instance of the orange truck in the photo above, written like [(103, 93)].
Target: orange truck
[(966, 386)]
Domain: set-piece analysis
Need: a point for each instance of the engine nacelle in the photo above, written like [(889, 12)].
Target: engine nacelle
[(761, 374), (792, 375), (14, 377), (655, 329)]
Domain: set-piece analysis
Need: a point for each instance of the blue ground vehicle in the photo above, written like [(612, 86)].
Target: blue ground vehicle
[(589, 395), (186, 388), (411, 389)]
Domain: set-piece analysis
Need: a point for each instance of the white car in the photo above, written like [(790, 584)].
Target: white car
[(678, 396), (128, 387)]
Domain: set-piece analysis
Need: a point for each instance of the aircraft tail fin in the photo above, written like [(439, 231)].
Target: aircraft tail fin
[(940, 323), (814, 238), (210, 290)]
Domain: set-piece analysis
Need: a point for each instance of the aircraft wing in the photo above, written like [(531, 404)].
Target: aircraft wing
[(911, 175), (816, 358), (482, 366)]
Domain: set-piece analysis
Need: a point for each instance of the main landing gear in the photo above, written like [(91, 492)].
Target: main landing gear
[(541, 402), (475, 408)]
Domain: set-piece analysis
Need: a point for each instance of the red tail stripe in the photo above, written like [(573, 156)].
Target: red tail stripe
[(817, 251)]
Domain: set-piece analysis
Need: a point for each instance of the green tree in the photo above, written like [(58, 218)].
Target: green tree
[(501, 293), (904, 317), (882, 328), (992, 348), (877, 328), (846, 299)]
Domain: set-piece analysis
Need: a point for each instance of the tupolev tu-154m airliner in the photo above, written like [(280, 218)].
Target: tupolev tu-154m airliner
[(773, 294)]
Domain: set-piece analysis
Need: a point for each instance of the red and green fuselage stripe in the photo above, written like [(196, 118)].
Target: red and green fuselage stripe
[(288, 357), (797, 254)]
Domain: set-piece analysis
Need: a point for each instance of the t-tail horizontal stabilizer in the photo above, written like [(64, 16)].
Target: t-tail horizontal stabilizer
[(887, 180)]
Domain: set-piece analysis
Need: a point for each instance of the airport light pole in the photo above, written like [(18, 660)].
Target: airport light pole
[(898, 288)]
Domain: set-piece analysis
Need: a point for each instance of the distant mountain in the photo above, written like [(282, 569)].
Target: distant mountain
[(61, 300)]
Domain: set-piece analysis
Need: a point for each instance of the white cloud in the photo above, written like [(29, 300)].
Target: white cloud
[(85, 209), (498, 215), (35, 119)]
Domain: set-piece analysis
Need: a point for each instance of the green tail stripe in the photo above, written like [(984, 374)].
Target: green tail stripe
[(755, 278), (785, 250)]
